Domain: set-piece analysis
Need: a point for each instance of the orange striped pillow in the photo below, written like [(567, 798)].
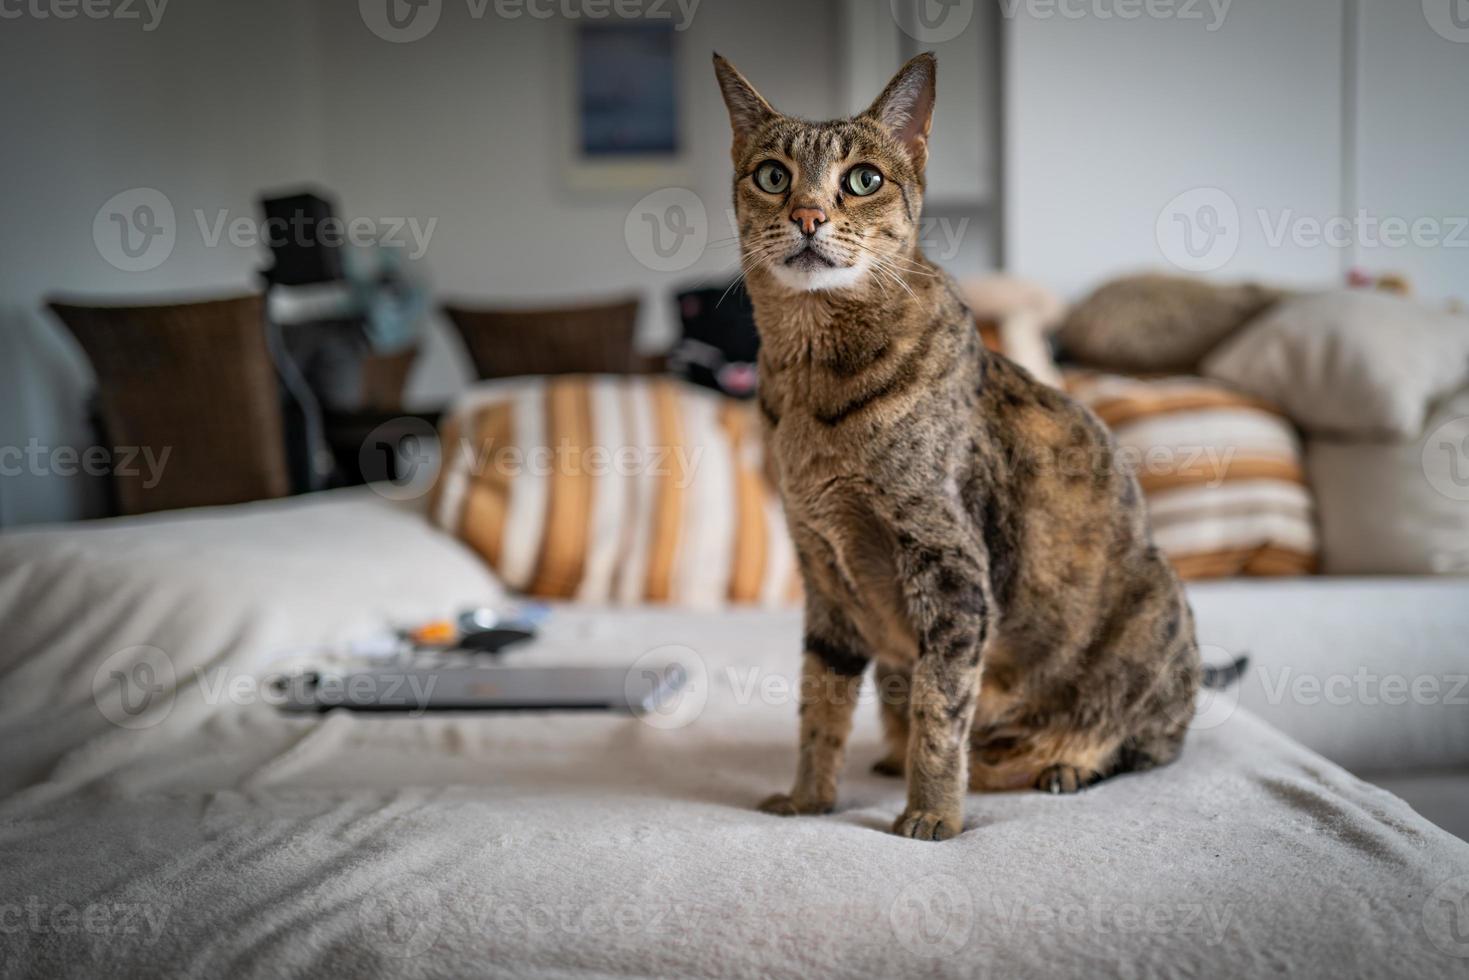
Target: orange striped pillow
[(615, 489), (1222, 473)]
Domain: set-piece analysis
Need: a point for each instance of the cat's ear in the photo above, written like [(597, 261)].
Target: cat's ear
[(747, 110), (905, 107)]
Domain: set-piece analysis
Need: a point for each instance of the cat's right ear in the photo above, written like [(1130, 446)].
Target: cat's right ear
[(747, 109)]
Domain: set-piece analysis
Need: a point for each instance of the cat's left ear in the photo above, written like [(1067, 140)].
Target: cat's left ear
[(905, 107), (747, 109)]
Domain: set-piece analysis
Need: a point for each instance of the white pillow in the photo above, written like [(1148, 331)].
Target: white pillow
[(1397, 508), (1352, 363)]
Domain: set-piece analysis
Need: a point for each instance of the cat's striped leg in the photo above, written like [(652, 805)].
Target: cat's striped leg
[(831, 682), (946, 585)]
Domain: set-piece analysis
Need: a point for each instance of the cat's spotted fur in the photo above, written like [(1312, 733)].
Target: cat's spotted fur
[(962, 525)]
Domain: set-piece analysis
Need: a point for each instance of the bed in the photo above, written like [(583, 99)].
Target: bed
[(202, 832)]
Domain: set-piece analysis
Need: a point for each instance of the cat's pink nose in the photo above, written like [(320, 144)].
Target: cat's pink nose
[(809, 219)]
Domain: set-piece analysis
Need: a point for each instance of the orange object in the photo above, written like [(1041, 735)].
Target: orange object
[(440, 632)]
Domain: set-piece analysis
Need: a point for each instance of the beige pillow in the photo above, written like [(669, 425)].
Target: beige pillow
[(1350, 363), (1399, 508)]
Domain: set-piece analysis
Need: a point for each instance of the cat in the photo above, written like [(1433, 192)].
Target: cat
[(961, 525)]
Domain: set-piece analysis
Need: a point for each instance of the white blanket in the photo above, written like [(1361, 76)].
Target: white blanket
[(214, 836)]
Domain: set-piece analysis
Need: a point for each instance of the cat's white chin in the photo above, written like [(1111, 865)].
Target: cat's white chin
[(818, 279)]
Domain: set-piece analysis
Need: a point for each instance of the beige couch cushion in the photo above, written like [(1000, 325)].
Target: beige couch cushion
[(1349, 363), (1397, 507)]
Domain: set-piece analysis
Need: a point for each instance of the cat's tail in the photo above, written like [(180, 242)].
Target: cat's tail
[(1223, 675)]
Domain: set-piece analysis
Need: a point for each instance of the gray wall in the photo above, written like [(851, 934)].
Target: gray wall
[(224, 99), (1120, 133), (213, 104)]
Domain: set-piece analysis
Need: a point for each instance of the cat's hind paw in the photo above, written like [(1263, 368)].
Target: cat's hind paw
[(926, 825), (785, 805)]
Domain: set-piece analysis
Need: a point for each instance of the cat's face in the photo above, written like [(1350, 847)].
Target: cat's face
[(832, 205)]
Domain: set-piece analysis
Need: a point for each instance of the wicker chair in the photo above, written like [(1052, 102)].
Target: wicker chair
[(195, 380), (577, 340)]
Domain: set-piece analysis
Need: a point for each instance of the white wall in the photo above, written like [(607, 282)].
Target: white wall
[(465, 126), (210, 107), (225, 99), (1413, 145), (1109, 120)]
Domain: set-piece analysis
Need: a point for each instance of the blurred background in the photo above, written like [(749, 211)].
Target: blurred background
[(524, 154)]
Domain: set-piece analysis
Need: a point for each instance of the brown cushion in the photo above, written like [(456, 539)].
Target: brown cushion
[(192, 384), (505, 343), (1153, 322)]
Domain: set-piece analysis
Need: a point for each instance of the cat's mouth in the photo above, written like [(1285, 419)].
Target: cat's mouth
[(808, 259)]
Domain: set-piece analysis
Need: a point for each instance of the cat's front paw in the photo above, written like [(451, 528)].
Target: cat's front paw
[(786, 805), (927, 825)]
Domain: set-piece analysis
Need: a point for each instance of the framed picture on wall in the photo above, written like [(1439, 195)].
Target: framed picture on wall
[(625, 121)]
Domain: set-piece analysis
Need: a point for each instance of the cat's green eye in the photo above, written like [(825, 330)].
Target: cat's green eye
[(772, 178), (863, 180)]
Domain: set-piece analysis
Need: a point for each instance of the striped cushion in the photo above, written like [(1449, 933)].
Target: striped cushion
[(1222, 473), (615, 489)]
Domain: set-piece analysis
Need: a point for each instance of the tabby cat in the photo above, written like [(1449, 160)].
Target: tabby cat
[(962, 525)]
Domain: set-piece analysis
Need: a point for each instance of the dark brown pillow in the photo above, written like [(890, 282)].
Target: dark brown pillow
[(505, 343)]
